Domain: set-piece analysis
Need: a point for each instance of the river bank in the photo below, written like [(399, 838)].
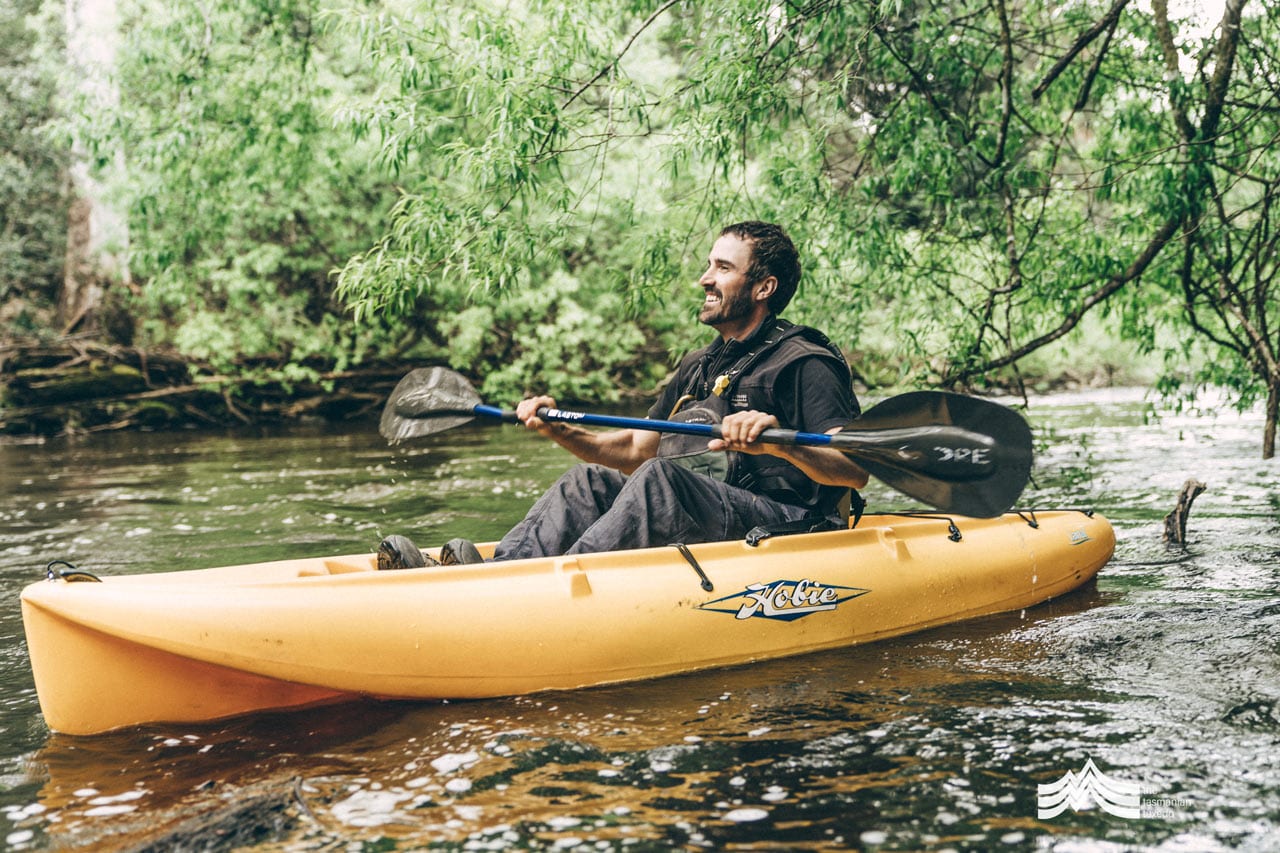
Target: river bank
[(78, 385)]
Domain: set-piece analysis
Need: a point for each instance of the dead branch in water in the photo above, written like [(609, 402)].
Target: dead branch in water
[(1175, 523)]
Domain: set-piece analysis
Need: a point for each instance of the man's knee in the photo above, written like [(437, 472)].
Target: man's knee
[(588, 485), (659, 470), (669, 480), (584, 475)]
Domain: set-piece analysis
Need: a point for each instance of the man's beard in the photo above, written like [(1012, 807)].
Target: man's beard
[(727, 310)]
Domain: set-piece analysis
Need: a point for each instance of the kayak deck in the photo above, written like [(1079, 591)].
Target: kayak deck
[(212, 643)]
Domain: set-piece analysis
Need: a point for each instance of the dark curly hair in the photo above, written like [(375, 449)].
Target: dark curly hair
[(772, 254)]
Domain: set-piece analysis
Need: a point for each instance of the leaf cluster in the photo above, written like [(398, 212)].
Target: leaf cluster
[(241, 195), (974, 177), (33, 202)]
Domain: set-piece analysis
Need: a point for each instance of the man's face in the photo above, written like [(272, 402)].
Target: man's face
[(727, 293)]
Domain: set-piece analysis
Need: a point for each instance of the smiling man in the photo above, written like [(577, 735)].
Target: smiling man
[(640, 489)]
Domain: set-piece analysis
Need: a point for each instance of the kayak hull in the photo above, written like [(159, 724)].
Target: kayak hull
[(213, 643)]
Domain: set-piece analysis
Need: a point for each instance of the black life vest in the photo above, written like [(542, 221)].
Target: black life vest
[(713, 390)]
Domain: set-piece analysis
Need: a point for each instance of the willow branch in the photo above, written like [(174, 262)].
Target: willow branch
[(1108, 22), (1006, 82), (1132, 272), (613, 63), (1223, 65), (1164, 36)]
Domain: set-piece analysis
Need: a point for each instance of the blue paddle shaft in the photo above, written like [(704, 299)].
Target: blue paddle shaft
[(956, 453), (948, 453), (769, 436)]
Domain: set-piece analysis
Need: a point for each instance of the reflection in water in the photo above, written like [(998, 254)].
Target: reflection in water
[(804, 745), (1165, 674)]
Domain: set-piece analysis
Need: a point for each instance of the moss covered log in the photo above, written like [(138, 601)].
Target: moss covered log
[(82, 386)]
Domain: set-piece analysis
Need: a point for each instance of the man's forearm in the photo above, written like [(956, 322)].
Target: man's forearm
[(826, 466), (619, 449)]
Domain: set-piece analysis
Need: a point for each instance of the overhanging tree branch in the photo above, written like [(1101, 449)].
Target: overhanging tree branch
[(1131, 273), (1107, 23), (613, 63)]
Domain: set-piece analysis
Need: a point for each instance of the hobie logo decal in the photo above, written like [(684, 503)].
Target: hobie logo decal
[(784, 600)]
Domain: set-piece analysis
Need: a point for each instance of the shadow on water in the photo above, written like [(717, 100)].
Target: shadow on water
[(1164, 673)]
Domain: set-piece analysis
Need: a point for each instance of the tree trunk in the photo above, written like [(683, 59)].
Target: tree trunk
[(97, 233), (81, 284), (1273, 415)]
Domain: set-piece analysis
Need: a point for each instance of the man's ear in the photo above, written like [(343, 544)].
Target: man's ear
[(764, 288)]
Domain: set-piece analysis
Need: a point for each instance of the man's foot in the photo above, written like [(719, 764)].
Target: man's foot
[(399, 552), (458, 552)]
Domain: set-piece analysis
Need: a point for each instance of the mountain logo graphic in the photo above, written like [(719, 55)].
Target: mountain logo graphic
[(1084, 790)]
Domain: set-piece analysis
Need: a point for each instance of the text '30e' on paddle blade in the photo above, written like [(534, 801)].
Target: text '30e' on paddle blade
[(1006, 443), (426, 401)]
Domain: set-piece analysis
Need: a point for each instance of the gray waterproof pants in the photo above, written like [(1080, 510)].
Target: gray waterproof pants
[(593, 508)]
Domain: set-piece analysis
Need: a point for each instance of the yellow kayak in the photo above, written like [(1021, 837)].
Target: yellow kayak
[(213, 643)]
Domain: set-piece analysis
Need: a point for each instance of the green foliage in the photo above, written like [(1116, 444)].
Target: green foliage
[(528, 188), (33, 205), (500, 147), (242, 196), (260, 147), (973, 177), (547, 339)]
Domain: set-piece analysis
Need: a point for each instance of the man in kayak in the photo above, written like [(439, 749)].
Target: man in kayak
[(638, 489)]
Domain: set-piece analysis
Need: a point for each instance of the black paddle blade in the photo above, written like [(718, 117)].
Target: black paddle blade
[(428, 400), (953, 452)]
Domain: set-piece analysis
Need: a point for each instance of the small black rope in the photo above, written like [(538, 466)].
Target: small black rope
[(953, 532), (1033, 522), (688, 555), (913, 514), (70, 574)]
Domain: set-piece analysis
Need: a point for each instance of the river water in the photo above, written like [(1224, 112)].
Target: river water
[(1165, 674)]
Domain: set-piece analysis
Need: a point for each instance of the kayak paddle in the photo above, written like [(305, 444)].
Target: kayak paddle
[(956, 453)]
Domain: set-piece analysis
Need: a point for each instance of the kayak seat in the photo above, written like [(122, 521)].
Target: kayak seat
[(808, 524), (851, 514)]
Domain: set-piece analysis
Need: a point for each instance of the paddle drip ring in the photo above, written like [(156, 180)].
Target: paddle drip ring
[(70, 574)]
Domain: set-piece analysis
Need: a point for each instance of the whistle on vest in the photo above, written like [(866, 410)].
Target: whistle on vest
[(722, 384)]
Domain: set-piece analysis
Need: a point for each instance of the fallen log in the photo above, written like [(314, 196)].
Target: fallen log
[(79, 386)]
